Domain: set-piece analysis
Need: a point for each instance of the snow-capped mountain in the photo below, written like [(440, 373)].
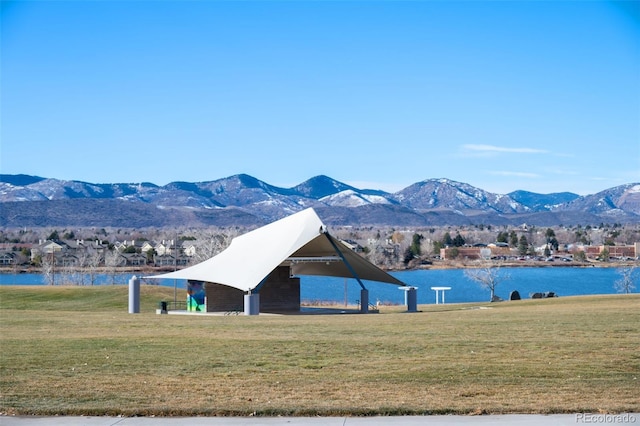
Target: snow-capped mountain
[(242, 199), (451, 195), (616, 201)]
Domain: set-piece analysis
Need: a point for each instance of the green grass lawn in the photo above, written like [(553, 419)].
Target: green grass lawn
[(76, 350)]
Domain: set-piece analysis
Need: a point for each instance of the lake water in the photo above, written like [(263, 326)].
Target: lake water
[(564, 281)]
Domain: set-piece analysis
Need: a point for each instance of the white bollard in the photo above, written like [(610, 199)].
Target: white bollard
[(134, 295), (252, 304)]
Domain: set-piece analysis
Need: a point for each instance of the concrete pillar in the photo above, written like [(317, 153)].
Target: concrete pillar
[(364, 301), (134, 295), (412, 299), (252, 304)]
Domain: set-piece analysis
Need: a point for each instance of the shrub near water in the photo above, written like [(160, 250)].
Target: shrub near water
[(78, 351)]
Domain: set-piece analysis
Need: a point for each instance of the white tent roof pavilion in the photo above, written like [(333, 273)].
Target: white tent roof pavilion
[(300, 241)]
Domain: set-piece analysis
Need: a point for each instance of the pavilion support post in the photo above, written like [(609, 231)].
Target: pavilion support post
[(364, 301), (346, 262), (412, 299), (252, 304), (364, 293)]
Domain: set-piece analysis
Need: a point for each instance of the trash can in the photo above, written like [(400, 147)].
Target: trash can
[(163, 307)]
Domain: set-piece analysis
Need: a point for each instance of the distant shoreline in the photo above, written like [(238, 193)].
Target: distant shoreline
[(437, 265), (520, 264)]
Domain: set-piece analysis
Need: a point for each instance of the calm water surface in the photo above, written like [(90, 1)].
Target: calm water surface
[(564, 281)]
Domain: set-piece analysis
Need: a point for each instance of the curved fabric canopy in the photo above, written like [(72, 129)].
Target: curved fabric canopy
[(299, 240)]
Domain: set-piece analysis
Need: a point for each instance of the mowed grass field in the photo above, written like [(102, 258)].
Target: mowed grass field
[(76, 350)]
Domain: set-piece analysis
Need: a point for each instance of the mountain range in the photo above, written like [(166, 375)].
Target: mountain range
[(243, 200)]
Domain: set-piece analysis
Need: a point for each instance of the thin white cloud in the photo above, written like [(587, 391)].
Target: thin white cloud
[(562, 172), (500, 149), (514, 174)]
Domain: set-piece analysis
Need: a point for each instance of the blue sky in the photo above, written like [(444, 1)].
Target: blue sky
[(504, 95)]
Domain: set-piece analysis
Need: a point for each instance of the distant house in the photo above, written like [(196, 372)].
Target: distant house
[(353, 245), (66, 259), (164, 247), (498, 244), (474, 253), (189, 249), (51, 246), (134, 259), (170, 260), (164, 260), (146, 246), (136, 244), (93, 246), (389, 249), (614, 251), (120, 245), (471, 253), (622, 251), (47, 247), (7, 259)]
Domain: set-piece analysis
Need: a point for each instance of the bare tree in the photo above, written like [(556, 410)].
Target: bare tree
[(626, 282), (83, 260), (210, 243), (93, 262), (71, 275), (488, 277), (48, 268), (376, 253), (111, 263)]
